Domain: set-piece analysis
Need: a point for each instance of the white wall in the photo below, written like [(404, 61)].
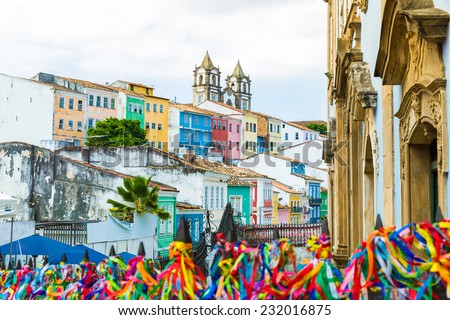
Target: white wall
[(309, 153), (291, 131), (174, 129), (26, 110)]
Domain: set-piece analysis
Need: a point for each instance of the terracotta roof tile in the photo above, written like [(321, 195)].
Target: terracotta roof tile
[(188, 206), (304, 176), (137, 84), (284, 187), (161, 186), (192, 109), (89, 84), (233, 181), (295, 124)]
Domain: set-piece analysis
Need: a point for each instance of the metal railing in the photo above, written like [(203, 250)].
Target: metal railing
[(315, 201), (70, 233), (297, 233)]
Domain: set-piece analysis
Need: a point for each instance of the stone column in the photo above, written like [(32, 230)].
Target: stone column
[(388, 156)]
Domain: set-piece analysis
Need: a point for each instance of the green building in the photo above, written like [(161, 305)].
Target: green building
[(166, 228), (135, 109), (239, 195), (324, 205)]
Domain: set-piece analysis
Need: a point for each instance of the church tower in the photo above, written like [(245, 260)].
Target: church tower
[(237, 91), (206, 82)]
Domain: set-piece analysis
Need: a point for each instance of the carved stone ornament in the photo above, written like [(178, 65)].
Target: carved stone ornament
[(363, 5), (416, 105), (435, 107), (374, 139), (402, 158)]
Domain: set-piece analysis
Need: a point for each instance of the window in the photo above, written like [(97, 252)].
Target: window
[(113, 103), (131, 87), (71, 104), (186, 118), (222, 197), (205, 122), (130, 107), (159, 126), (230, 129), (237, 128), (70, 125), (229, 145), (105, 103), (197, 229), (162, 226), (61, 124), (246, 145), (278, 128), (244, 105), (205, 136), (61, 102), (153, 125), (141, 109), (214, 145), (196, 120), (91, 100), (185, 135), (236, 203), (306, 136), (271, 128), (214, 124), (254, 127), (80, 105), (155, 108), (246, 126), (199, 98), (237, 144), (99, 100), (147, 125), (159, 145), (90, 123), (206, 197), (212, 197), (170, 223), (217, 197), (161, 108), (224, 145), (153, 144), (135, 107), (213, 97), (219, 145), (79, 126), (286, 136), (196, 136), (296, 136), (148, 107), (224, 126)]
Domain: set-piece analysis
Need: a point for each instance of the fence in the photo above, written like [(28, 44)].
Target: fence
[(297, 233), (67, 232)]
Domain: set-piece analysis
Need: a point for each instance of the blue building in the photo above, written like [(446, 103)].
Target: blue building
[(388, 135), (195, 129)]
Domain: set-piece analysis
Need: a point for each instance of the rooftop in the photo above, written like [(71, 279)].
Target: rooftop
[(284, 187), (192, 109), (188, 206), (304, 176), (89, 84)]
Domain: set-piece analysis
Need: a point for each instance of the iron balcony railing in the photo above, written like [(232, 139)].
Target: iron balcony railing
[(315, 201)]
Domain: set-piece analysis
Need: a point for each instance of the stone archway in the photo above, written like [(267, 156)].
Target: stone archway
[(423, 153)]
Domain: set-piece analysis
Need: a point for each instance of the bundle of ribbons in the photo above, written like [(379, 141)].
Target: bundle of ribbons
[(409, 263)]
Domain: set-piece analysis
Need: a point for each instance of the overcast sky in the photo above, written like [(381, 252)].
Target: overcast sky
[(281, 44)]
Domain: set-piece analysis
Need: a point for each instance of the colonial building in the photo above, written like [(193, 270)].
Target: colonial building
[(207, 85), (387, 106), (154, 114)]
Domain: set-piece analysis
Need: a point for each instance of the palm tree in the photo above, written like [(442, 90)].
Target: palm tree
[(139, 198)]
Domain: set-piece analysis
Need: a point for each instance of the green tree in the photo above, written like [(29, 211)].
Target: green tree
[(113, 132), (319, 127), (139, 198)]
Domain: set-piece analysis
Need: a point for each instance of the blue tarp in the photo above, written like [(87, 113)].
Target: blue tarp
[(75, 255), (35, 245)]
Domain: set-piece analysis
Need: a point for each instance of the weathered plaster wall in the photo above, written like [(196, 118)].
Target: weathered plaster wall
[(53, 188)]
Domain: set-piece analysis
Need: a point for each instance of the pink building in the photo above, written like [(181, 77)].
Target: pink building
[(226, 137)]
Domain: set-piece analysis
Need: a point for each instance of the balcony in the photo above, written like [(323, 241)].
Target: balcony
[(315, 201), (296, 210)]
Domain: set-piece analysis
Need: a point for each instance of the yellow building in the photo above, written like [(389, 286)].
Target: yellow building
[(69, 115), (156, 114), (250, 136), (275, 197)]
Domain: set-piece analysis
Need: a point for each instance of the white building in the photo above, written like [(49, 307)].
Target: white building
[(26, 110), (293, 134), (308, 152)]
